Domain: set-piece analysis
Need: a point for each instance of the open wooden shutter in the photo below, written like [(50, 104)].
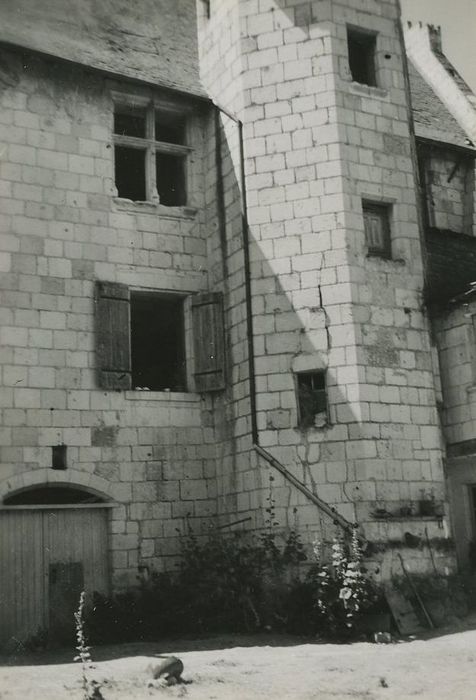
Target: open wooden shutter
[(208, 338), (113, 335)]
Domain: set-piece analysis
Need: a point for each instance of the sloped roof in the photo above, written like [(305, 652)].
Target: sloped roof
[(432, 118), (457, 77), (149, 40)]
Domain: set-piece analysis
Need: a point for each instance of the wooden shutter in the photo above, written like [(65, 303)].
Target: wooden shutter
[(113, 335), (208, 339)]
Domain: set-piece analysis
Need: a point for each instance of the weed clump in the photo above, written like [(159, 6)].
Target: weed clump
[(91, 688), (242, 582)]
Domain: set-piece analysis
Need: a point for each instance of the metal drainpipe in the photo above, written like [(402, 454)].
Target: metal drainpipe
[(220, 195), (249, 308)]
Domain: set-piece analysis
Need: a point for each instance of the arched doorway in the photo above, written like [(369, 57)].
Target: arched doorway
[(53, 545)]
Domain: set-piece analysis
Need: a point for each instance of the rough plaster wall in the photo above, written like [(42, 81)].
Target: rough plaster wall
[(153, 453), (315, 145), (456, 341), (450, 191)]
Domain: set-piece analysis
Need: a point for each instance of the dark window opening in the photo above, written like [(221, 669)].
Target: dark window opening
[(312, 399), (129, 121), (130, 173), (361, 47), (157, 343), (170, 180), (58, 457), (170, 128), (377, 229), (50, 495)]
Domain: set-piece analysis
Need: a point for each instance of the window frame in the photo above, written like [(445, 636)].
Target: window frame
[(303, 424), (151, 146), (384, 210), (113, 333), (154, 297), (357, 35)]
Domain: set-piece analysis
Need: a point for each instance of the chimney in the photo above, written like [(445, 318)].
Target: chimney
[(435, 38)]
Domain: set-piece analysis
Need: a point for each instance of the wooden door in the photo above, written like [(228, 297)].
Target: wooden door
[(66, 581), (47, 556), (22, 581)]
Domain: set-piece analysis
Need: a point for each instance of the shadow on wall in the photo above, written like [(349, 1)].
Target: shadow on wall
[(297, 395)]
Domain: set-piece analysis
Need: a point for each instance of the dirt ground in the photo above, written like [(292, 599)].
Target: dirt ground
[(442, 667)]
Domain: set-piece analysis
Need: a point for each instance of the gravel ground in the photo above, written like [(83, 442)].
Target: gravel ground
[(442, 667)]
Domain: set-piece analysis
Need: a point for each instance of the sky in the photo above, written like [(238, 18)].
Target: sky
[(457, 19)]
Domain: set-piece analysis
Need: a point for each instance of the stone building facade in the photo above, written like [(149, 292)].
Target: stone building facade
[(212, 273), (447, 159)]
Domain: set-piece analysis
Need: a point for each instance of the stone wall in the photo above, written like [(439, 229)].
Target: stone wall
[(63, 228), (316, 144)]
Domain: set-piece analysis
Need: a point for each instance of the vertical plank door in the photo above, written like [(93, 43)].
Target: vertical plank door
[(75, 559), (47, 557), (23, 608)]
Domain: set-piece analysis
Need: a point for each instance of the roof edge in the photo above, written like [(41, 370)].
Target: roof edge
[(113, 75)]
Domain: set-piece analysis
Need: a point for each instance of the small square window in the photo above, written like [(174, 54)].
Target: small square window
[(58, 457), (150, 155), (361, 47), (312, 399), (157, 342), (377, 229)]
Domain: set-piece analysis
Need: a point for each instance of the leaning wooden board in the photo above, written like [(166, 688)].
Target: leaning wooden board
[(403, 612)]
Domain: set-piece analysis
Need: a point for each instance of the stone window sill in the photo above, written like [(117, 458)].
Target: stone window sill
[(384, 259), (165, 396), (154, 208), (366, 90)]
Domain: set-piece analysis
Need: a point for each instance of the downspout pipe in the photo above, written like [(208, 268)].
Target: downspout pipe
[(249, 308), (322, 505), (220, 195)]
